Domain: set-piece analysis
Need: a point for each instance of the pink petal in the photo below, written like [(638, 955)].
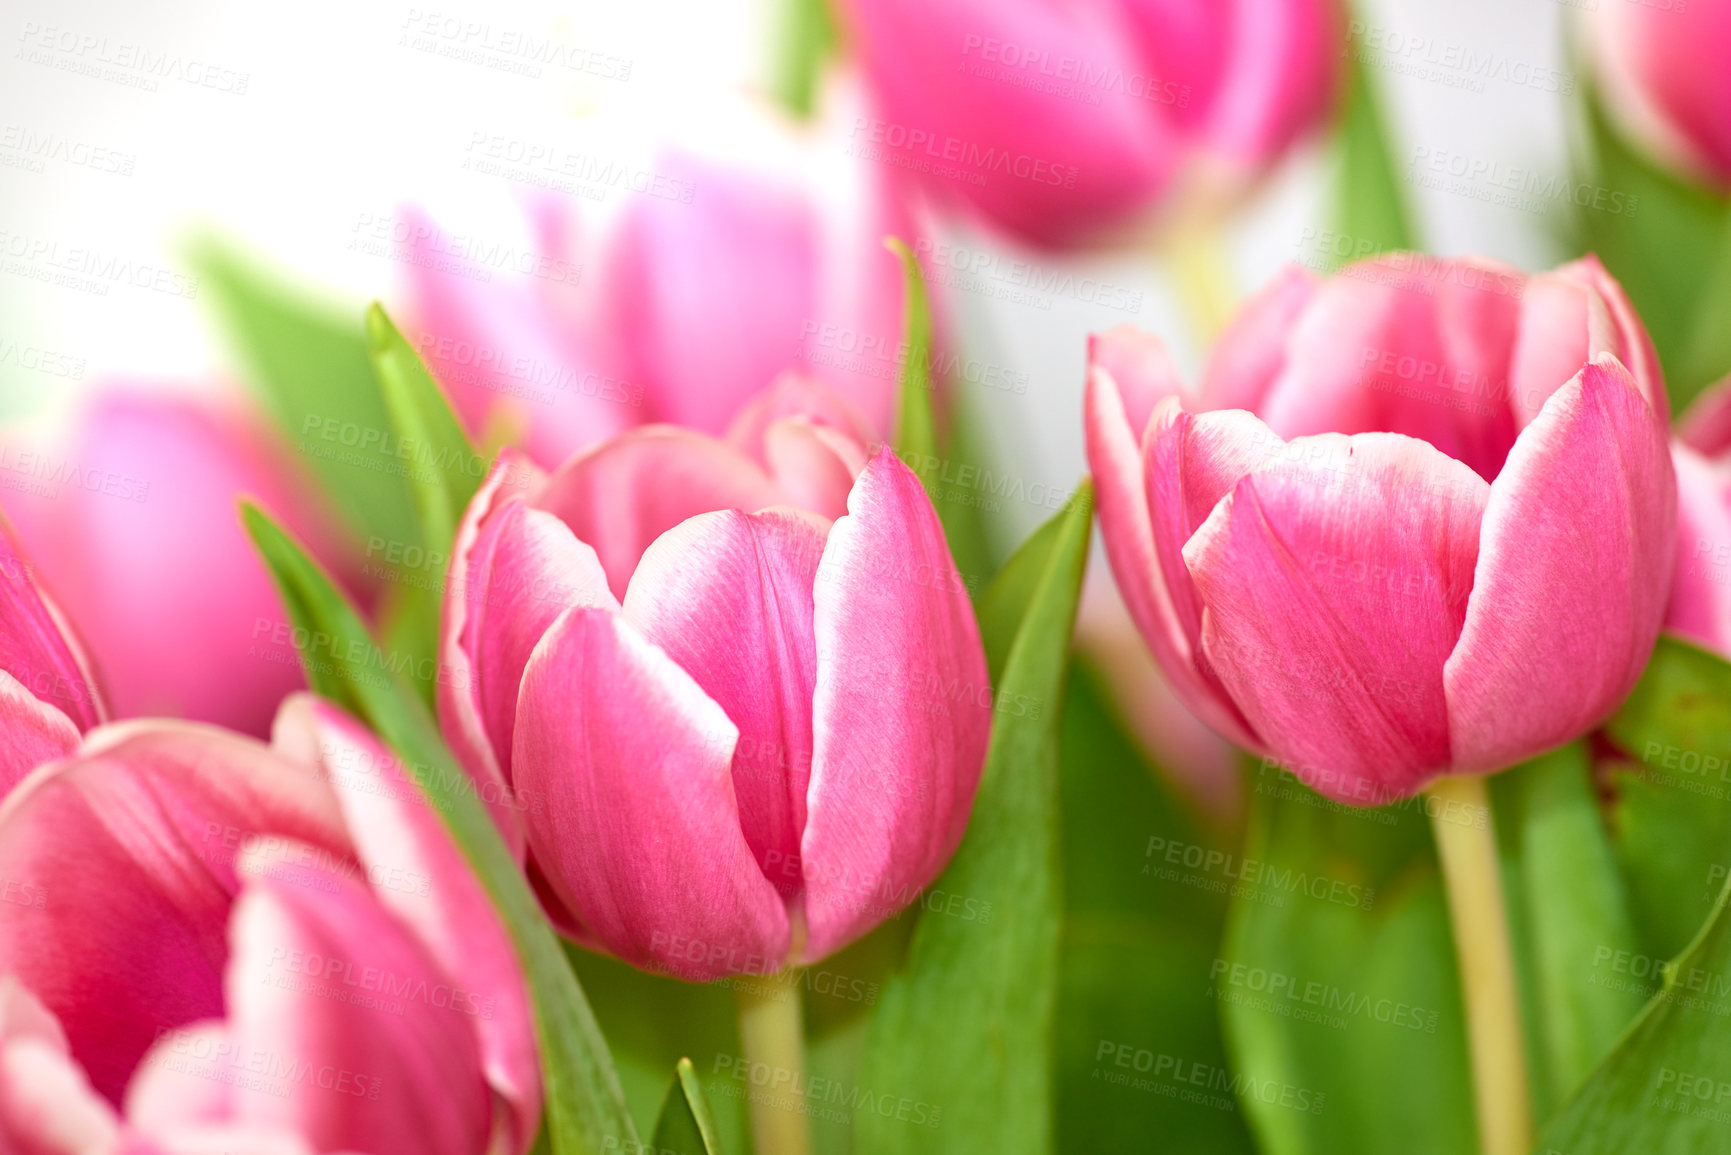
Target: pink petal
[(1706, 426), (461, 716), (794, 395), (37, 651), (707, 337), (151, 483), (365, 1043), (1569, 317), (639, 828), (47, 1107), (623, 495), (1126, 531), (1249, 354), (1700, 605), (1406, 344), (31, 733), (1663, 67), (121, 862), (1282, 74), (419, 875), (728, 596), (814, 466), (1574, 568), (901, 714), (502, 344), (1335, 578), (947, 109), (1141, 368)]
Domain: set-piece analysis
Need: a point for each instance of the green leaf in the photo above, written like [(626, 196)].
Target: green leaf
[(444, 468), (916, 430), (1337, 980), (967, 1025), (1666, 1089), (685, 1126), (1136, 950), (1672, 813), (311, 368), (1567, 905), (1370, 210), (586, 1108), (1671, 249)]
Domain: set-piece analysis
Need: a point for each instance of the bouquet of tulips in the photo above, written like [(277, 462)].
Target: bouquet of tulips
[(593, 707)]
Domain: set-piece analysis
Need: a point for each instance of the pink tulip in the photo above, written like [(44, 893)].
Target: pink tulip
[(1700, 606), (48, 691), (1057, 122), (1418, 519), (729, 698), (1662, 65), (277, 950), (133, 524), (703, 290)]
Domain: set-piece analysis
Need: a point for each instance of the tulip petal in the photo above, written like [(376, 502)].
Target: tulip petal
[(461, 717), (1141, 368), (41, 657), (728, 596), (1706, 426), (813, 465), (134, 842), (794, 395), (637, 826), (1126, 530), (623, 495), (901, 713), (1335, 578), (1700, 605), (32, 733), (1282, 73), (1251, 350), (47, 1107), (1573, 573), (419, 875), (1406, 344), (363, 1042)]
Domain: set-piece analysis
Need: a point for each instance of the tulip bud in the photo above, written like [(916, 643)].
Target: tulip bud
[(1059, 122), (1662, 66), (1436, 539), (730, 734)]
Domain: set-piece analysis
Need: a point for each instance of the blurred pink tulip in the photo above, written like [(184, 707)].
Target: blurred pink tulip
[(729, 697), (277, 950), (1662, 65), (134, 527), (48, 691), (1700, 606), (1058, 121), (706, 287), (1418, 519)]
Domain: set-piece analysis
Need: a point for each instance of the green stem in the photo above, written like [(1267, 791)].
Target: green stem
[(1466, 841), (1197, 250), (772, 1037)]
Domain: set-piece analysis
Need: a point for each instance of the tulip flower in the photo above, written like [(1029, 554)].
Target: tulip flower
[(48, 692), (1662, 66), (134, 528), (702, 291), (725, 732), (1700, 607), (279, 950), (1419, 518), (1059, 122)]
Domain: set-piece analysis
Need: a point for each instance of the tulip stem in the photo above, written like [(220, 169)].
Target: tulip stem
[(1466, 841), (1197, 248), (772, 1039)]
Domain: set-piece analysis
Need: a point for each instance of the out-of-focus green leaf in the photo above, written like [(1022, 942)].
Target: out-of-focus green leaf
[(1338, 979), (1371, 214), (1672, 811), (1137, 950), (967, 1024), (1669, 242), (1666, 1088), (1567, 905), (807, 40), (311, 368), (586, 1111), (685, 1126)]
